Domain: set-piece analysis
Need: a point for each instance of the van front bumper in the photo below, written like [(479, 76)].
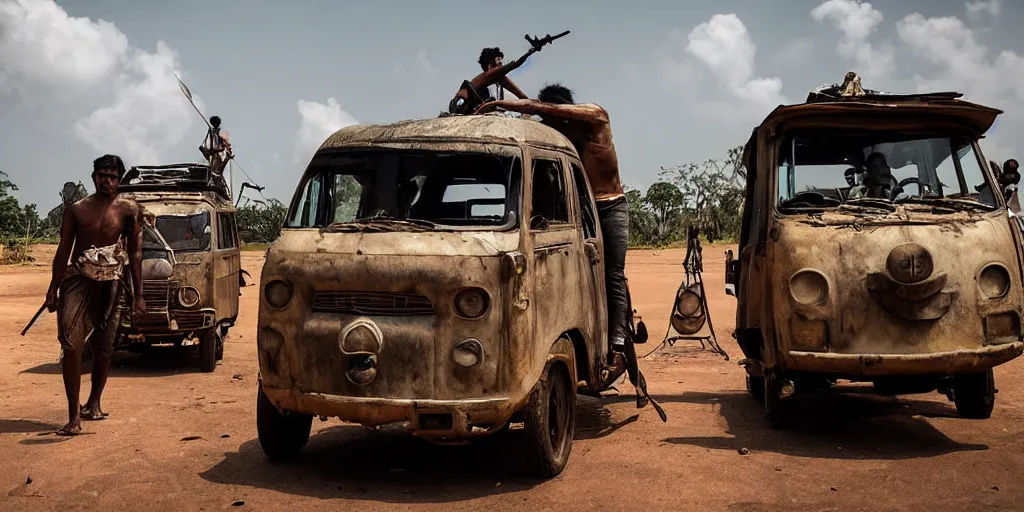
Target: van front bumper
[(435, 419), (878, 365)]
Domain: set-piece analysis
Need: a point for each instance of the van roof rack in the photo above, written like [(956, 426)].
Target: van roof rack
[(850, 90), (184, 177)]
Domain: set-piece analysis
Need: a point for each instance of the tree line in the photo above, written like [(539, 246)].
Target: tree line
[(707, 195)]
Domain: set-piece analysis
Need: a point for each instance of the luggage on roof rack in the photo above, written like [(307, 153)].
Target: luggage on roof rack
[(190, 177)]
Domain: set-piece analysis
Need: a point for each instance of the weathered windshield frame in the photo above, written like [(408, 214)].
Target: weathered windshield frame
[(380, 184)]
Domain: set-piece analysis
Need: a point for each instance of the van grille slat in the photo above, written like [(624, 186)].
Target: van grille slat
[(372, 303)]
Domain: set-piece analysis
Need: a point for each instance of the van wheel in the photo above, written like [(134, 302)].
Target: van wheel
[(975, 394), (755, 386), (549, 422), (207, 351), (281, 435), (772, 400)]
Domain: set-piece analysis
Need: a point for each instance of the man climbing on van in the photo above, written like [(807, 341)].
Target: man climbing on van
[(589, 129)]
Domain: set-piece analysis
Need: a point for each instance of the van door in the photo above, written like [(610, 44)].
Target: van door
[(552, 235), (228, 263), (591, 269)]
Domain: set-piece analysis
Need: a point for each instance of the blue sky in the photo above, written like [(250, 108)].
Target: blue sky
[(682, 81)]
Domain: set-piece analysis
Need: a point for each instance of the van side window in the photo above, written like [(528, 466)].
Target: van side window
[(226, 234), (549, 195), (587, 217)]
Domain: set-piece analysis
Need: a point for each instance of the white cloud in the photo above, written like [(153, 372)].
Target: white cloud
[(117, 98), (857, 21), (967, 66), (318, 122), (796, 53), (976, 8), (723, 44)]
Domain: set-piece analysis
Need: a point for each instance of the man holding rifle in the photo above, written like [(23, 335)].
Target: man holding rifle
[(86, 294), (475, 92)]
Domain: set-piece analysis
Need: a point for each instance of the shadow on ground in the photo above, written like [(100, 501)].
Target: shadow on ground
[(23, 426), (843, 423), (158, 361), (353, 462)]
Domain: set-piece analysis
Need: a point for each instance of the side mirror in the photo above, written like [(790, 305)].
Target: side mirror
[(1009, 177)]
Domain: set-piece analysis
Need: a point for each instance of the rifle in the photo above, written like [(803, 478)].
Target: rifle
[(537, 44)]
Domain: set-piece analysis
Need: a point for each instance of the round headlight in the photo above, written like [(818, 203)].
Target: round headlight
[(994, 281), (468, 352), (471, 303), (188, 296), (277, 293), (808, 287)]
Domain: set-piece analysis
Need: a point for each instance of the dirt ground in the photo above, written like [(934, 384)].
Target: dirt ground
[(177, 439)]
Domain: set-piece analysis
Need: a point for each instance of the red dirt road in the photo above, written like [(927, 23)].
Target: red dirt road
[(849, 450)]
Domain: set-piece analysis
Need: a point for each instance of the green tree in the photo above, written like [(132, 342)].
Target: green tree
[(259, 222), (666, 202)]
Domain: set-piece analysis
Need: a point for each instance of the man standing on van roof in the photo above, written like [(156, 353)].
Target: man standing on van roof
[(86, 294), (589, 129)]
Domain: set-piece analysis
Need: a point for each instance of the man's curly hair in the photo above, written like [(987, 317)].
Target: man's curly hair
[(556, 93), (488, 55)]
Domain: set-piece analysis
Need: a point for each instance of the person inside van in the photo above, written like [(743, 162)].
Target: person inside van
[(878, 179)]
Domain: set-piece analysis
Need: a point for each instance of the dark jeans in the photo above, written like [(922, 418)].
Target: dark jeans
[(614, 218)]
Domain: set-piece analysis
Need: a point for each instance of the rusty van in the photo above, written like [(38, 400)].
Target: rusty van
[(191, 261), (876, 246), (440, 274)]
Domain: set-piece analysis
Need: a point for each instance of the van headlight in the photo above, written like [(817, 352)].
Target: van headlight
[(808, 287), (277, 293), (188, 296), (471, 303), (994, 281)]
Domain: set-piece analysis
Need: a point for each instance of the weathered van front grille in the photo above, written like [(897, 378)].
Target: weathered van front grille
[(156, 294), (372, 303)]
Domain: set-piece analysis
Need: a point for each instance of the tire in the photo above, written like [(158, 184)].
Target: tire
[(282, 436), (208, 351), (755, 386), (549, 421), (773, 400), (975, 394)]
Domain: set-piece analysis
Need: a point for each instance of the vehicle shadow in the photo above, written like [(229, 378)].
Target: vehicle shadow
[(152, 362), (392, 466), (843, 423)]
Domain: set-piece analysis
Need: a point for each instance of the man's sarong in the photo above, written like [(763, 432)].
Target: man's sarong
[(88, 310)]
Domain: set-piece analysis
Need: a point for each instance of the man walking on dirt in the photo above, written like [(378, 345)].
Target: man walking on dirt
[(588, 127), (86, 293)]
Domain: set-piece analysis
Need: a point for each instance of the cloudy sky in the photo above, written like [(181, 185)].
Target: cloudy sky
[(683, 81)]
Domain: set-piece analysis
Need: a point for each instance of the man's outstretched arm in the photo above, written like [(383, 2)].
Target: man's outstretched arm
[(588, 113), (507, 83), (491, 77)]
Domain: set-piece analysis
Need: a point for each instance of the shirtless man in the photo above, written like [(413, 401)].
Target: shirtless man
[(588, 128), (86, 293), (474, 92)]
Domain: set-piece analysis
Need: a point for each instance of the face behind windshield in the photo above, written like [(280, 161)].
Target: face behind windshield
[(430, 190), (185, 233), (828, 170)]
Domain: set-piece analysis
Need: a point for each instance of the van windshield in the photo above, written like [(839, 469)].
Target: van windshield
[(185, 233), (406, 190), (819, 171)]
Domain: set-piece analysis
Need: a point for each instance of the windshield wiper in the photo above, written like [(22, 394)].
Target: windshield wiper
[(379, 224), (948, 202), (869, 202)]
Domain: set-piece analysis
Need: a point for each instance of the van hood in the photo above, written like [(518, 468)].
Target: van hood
[(425, 243)]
